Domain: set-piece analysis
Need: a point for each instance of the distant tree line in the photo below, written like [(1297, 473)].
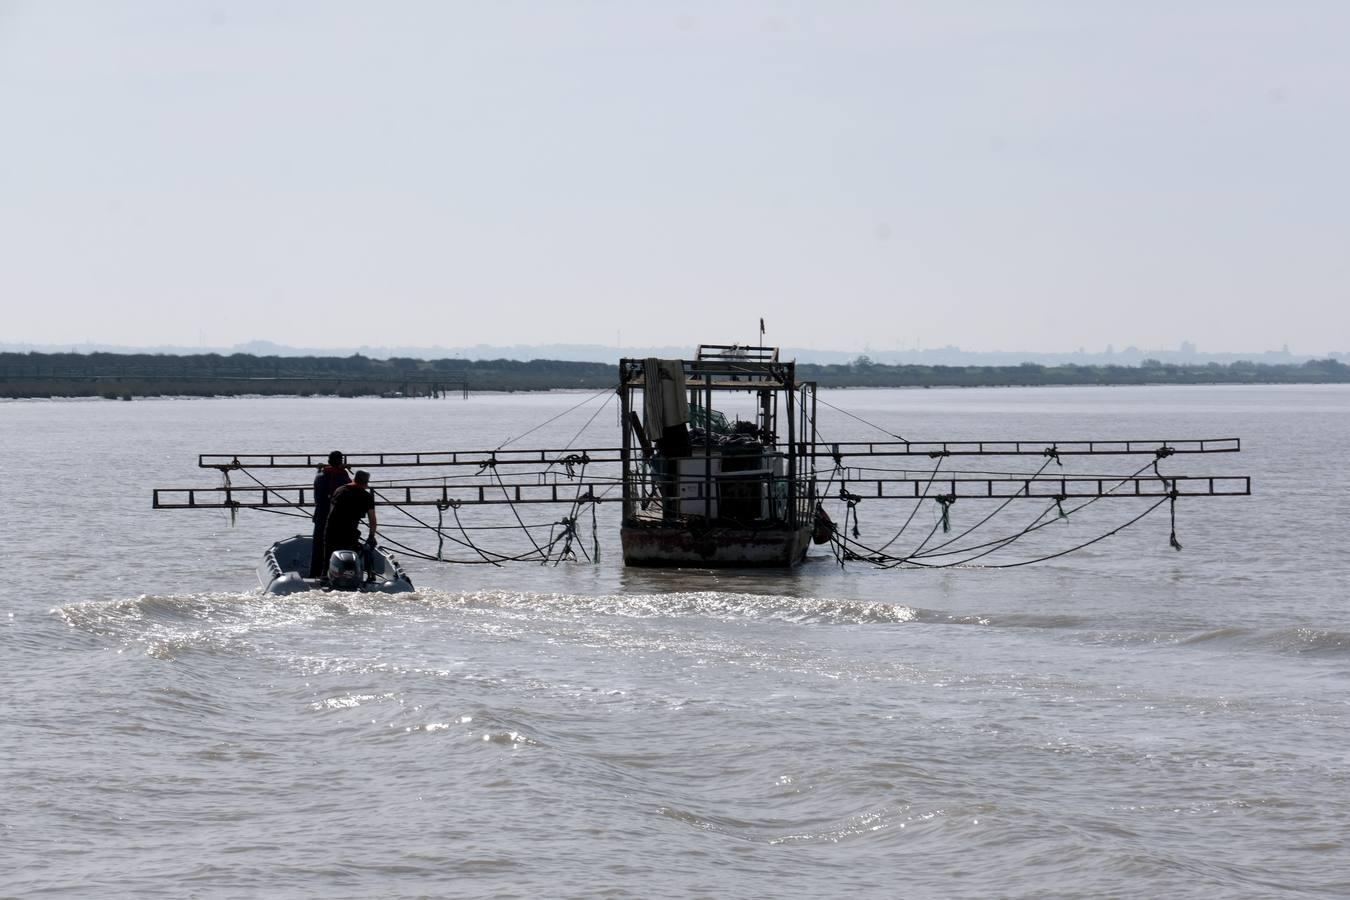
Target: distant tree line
[(862, 372), (115, 375)]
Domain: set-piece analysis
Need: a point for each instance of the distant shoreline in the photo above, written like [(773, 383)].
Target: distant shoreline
[(169, 397), (126, 376)]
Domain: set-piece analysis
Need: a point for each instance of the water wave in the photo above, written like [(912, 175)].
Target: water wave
[(169, 625), (1296, 640), (717, 605), (782, 831), (1292, 640)]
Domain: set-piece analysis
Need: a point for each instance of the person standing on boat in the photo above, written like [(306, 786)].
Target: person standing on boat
[(351, 504), (330, 478)]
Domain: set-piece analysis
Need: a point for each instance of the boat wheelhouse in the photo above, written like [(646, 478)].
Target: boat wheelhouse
[(718, 459)]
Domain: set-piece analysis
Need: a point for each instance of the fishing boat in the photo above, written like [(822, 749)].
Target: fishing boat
[(371, 570), (703, 489), (720, 464)]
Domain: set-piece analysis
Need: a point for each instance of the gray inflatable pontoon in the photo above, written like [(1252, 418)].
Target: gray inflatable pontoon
[(372, 570)]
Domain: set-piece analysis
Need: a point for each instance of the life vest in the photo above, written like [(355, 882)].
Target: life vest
[(330, 474)]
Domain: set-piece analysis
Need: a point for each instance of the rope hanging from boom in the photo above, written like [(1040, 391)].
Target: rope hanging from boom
[(920, 559), (515, 477)]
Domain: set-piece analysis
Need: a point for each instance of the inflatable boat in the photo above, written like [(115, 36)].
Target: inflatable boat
[(285, 568)]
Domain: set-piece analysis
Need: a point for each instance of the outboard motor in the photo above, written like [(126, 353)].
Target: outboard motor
[(344, 570)]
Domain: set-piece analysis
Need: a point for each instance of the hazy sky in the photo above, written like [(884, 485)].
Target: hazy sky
[(998, 175)]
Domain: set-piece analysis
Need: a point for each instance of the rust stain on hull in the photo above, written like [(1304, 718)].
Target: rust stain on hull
[(663, 545)]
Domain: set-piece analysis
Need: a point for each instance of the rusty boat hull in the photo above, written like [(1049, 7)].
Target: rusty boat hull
[(657, 545)]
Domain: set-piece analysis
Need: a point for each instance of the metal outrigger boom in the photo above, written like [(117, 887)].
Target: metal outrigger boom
[(552, 488), (406, 459), (694, 488), (282, 497), (914, 488), (935, 449), (931, 449)]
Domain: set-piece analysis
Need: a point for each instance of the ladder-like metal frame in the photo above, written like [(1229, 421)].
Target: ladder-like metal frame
[(592, 491), (931, 449)]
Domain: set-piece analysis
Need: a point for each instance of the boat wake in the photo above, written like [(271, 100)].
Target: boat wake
[(716, 605), (168, 625)]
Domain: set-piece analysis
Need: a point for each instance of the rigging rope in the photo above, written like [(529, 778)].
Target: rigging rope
[(998, 509), (580, 431), (1172, 494), (1040, 559), (509, 441), (917, 558), (917, 504), (864, 421)]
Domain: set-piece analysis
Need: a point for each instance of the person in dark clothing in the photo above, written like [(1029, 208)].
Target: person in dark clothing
[(673, 445), (351, 503), (330, 478)]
